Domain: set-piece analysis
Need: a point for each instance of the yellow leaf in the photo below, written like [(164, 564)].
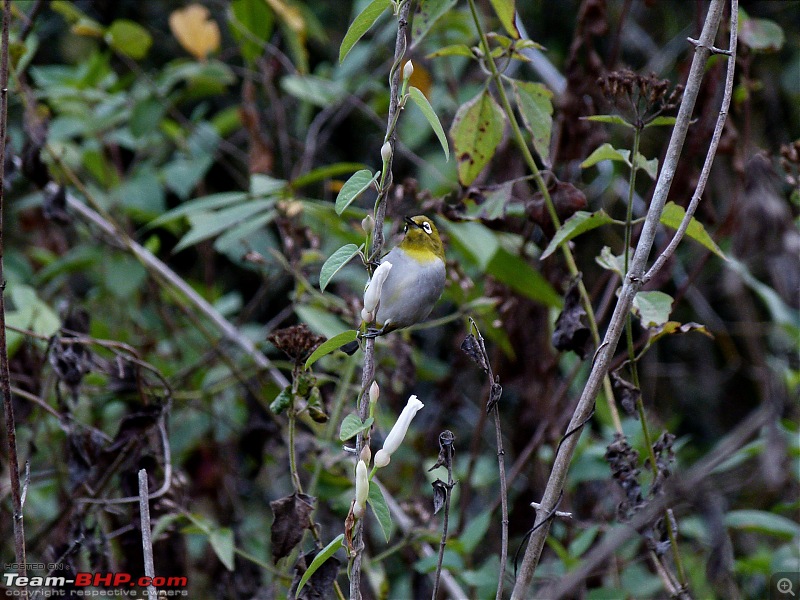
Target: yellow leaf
[(194, 30), (421, 79), (289, 15)]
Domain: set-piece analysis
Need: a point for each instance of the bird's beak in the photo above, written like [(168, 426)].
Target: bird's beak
[(411, 222)]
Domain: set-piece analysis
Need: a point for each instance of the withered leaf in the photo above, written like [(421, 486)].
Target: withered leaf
[(291, 517), (567, 200), (495, 393), (446, 450), (625, 392), (472, 348), (439, 495), (572, 331), (320, 585)]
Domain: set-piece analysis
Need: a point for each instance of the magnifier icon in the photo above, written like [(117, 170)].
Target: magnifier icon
[(785, 586)]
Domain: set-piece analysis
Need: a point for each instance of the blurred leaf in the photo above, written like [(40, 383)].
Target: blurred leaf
[(534, 102), (29, 313), (453, 50), (360, 25), (674, 327), (145, 116), (673, 216), (583, 541), (653, 308), (128, 38), (222, 543), (206, 225), (426, 14), (282, 401), (352, 425), (422, 102), (612, 262), (183, 174), (332, 344), (380, 509), (323, 555), (760, 35), (613, 119), (203, 204), (474, 532), (505, 11), (320, 321), (326, 172), (252, 26), (292, 516), (356, 185), (314, 90), (476, 132), (476, 239), (759, 521), (648, 166), (661, 121), (195, 30), (523, 278), (335, 262), (581, 222)]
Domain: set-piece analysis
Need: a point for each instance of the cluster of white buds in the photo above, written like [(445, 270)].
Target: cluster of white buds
[(372, 295)]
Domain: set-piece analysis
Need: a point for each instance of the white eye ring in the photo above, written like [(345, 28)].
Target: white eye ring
[(427, 228)]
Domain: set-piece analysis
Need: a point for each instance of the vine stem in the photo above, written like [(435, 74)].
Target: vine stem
[(631, 285), (368, 371), (519, 139), (5, 374)]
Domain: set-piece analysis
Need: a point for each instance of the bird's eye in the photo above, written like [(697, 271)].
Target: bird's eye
[(427, 228), (405, 228)]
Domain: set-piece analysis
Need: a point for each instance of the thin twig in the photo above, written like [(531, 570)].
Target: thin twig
[(446, 452), (147, 542), (5, 373), (631, 285)]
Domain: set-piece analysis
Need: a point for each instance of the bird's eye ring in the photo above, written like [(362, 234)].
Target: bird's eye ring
[(427, 228)]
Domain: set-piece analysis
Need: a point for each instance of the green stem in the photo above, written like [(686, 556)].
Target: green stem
[(519, 139)]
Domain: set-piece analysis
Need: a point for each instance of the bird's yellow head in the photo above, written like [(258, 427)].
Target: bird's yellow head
[(422, 241)]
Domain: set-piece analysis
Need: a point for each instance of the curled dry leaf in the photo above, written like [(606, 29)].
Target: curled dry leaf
[(194, 30), (291, 518), (572, 331), (625, 392)]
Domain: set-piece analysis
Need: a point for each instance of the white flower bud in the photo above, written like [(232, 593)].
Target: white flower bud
[(366, 454), (368, 224), (386, 152), (408, 70), (398, 432), (372, 295), (374, 392), (362, 489)]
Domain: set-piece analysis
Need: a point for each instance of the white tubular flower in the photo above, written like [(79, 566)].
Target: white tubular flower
[(372, 295), (386, 151), (408, 70), (362, 489), (398, 432)]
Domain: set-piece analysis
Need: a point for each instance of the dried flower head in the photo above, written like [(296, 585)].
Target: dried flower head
[(297, 342), (790, 163), (640, 98)]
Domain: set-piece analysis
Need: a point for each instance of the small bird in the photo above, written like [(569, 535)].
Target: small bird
[(415, 281)]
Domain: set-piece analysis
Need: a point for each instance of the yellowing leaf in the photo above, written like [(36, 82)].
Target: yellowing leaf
[(195, 31), (289, 15)]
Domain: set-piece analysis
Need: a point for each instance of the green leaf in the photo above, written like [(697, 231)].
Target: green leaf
[(282, 401), (222, 543), (583, 540), (353, 188), (505, 12), (477, 240), (315, 90), (330, 345), (361, 25), (608, 260), (613, 119), (335, 262), (326, 172), (129, 38), (648, 166), (319, 559), (452, 50), (422, 102), (522, 277), (427, 13), (661, 121), (252, 26), (760, 35), (352, 426), (653, 308), (673, 215), (605, 152), (760, 521), (475, 531), (674, 327), (380, 509), (535, 106), (476, 132), (206, 225), (581, 222), (203, 204)]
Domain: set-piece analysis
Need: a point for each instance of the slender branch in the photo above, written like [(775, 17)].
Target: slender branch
[(631, 285), (147, 542), (5, 374), (446, 451), (712, 148), (368, 372)]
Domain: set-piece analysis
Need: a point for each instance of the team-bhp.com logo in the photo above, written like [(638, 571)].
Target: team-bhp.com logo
[(120, 584)]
